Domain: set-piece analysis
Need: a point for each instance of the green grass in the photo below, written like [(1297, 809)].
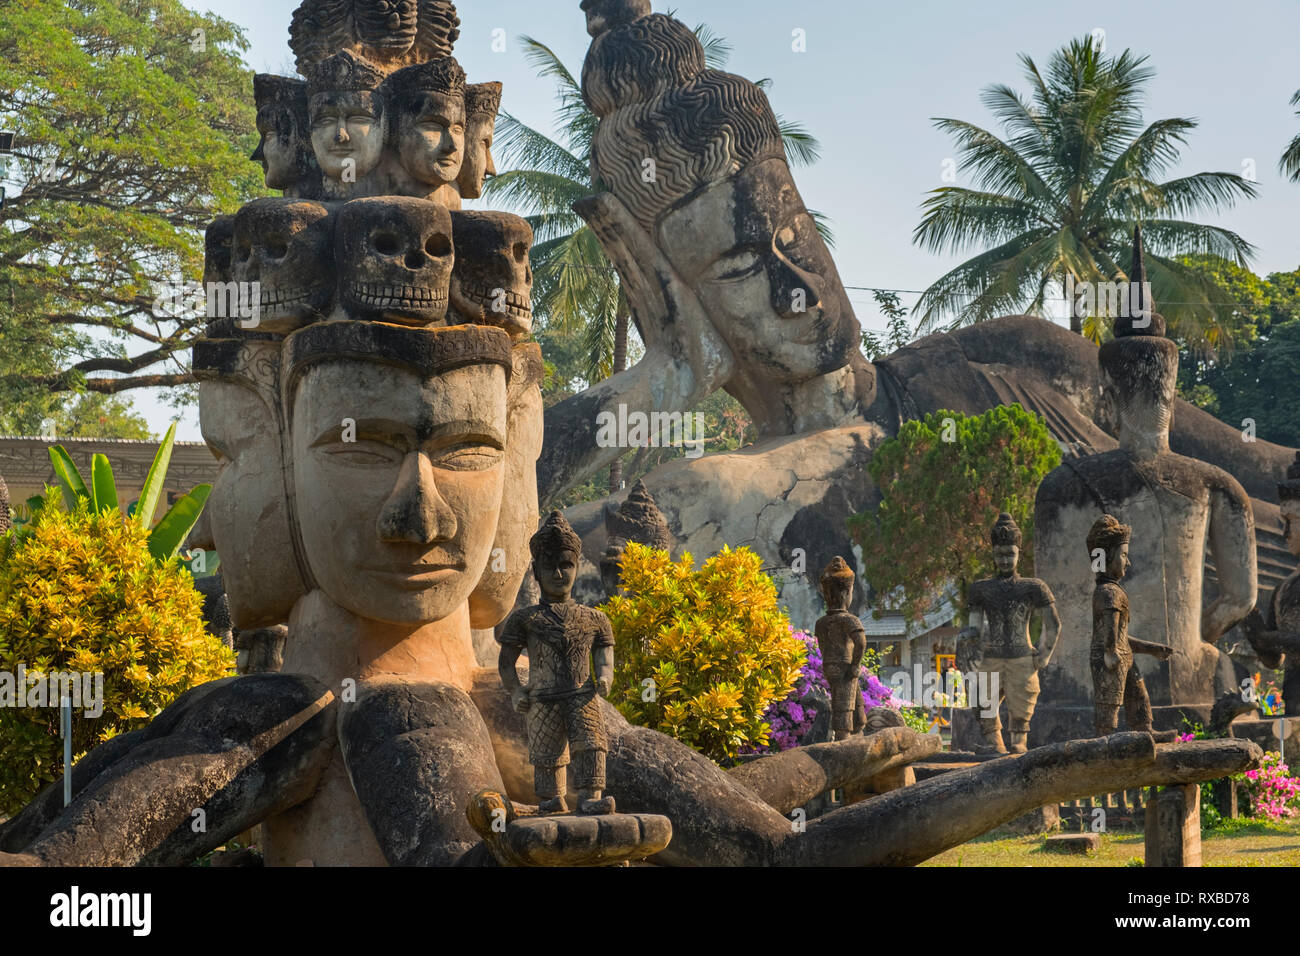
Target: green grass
[(1240, 842)]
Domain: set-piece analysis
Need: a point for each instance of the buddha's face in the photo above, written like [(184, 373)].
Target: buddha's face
[(347, 133), (277, 150), (479, 131), (555, 574), (1005, 559), (246, 511), (751, 252), (1291, 525), (431, 138), (398, 524), (1117, 562)]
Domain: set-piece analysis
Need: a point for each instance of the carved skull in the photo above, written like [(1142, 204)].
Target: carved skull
[(493, 281), (217, 241), (388, 25), (394, 257), (284, 245)]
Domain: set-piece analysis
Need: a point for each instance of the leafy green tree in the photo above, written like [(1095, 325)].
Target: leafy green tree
[(897, 333), (1289, 164), (942, 482), (576, 292), (133, 123), (1060, 194)]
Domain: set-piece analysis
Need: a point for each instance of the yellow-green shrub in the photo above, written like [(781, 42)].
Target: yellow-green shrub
[(81, 592), (714, 643)]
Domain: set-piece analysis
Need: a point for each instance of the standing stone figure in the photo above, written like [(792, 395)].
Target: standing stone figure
[(1275, 633), (1000, 609), (842, 640), (560, 699), (1115, 681)]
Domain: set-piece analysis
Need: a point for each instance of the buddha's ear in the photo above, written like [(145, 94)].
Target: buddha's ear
[(667, 313), (494, 596)]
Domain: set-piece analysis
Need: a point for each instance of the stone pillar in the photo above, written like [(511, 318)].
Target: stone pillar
[(1173, 826)]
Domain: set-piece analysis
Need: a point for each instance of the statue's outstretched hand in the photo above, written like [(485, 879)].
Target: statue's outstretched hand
[(521, 699)]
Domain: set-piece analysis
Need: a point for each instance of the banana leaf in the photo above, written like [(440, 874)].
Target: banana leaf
[(165, 540), (65, 470), (103, 487), (153, 482)]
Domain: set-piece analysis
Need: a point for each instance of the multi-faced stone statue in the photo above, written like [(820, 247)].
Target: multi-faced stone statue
[(285, 247), (1000, 612), (1115, 681), (482, 103), (392, 33), (842, 640), (284, 130), (1177, 506), (428, 129), (349, 123), (394, 257), (1274, 633), (492, 281), (562, 697)]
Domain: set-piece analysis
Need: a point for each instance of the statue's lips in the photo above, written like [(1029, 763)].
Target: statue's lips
[(416, 576)]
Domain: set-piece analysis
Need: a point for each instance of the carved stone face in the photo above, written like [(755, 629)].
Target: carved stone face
[(1291, 524), (348, 130), (752, 253), (431, 138), (1005, 558), (1117, 561), (478, 165), (398, 524), (285, 246), (386, 24), (278, 148), (555, 574), (218, 243), (246, 511), (395, 257), (492, 280)]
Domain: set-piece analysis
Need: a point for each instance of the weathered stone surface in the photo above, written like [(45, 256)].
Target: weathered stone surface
[(1173, 827), (1080, 844), (533, 840), (1039, 820)]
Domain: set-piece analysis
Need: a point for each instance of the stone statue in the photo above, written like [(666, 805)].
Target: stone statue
[(636, 519), (842, 640), (1000, 612), (429, 129), (492, 281), (1115, 681), (349, 123), (715, 314), (284, 130), (393, 260), (482, 103), (1177, 505), (392, 33), (561, 698), (1274, 633), (286, 247)]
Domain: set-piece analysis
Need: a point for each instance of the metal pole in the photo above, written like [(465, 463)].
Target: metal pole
[(65, 723)]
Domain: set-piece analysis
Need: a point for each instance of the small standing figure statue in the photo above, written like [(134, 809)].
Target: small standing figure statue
[(1116, 681), (560, 700), (842, 640), (998, 640)]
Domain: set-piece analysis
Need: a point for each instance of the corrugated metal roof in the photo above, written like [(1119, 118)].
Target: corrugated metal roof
[(893, 625)]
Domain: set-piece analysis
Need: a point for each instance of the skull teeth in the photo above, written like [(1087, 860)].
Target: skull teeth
[(279, 300), (377, 296), (516, 304)]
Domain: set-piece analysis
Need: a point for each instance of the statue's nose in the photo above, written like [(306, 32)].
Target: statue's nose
[(415, 511), (795, 292)]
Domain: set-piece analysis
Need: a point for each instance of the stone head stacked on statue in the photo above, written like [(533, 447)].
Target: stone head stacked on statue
[(1177, 507)]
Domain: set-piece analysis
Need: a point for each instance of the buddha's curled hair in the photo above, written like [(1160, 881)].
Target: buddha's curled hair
[(638, 62), (653, 155)]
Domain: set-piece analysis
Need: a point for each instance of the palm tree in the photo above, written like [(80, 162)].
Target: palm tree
[(575, 287), (1289, 164), (1059, 198)]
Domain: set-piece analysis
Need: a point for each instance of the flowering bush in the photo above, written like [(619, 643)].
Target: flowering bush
[(1274, 793), (791, 720)]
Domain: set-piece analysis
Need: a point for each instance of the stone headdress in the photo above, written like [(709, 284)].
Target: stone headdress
[(344, 72), (555, 536), (639, 519), (443, 75), (287, 95), (394, 34), (1107, 533), (646, 79), (483, 99), (837, 576), (1289, 490), (1005, 531), (1140, 359)]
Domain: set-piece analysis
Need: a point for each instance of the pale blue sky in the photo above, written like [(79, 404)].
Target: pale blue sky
[(875, 73)]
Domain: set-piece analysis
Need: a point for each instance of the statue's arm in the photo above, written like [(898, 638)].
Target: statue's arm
[(1051, 631), (1232, 546), (604, 657)]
